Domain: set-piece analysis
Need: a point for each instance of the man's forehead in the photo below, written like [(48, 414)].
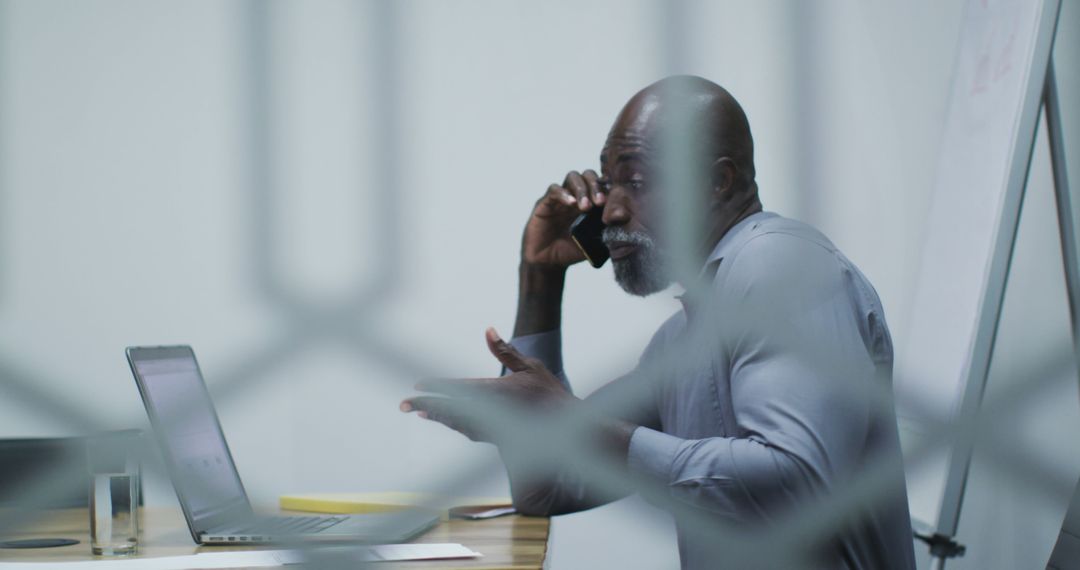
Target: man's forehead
[(621, 148), (631, 137)]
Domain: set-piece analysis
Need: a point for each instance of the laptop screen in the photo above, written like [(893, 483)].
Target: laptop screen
[(188, 430)]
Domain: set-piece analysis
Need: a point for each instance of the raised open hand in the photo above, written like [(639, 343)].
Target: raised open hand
[(465, 403)]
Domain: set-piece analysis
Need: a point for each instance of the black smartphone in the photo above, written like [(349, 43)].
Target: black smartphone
[(587, 231)]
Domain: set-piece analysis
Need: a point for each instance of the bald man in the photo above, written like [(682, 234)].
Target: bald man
[(765, 398)]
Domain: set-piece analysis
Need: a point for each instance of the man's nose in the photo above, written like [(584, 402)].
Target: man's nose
[(616, 209)]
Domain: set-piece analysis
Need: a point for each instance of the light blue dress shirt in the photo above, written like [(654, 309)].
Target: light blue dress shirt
[(772, 395)]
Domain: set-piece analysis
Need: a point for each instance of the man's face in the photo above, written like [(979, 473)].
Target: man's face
[(629, 179)]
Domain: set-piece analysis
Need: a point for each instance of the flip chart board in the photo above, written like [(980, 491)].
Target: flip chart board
[(990, 124)]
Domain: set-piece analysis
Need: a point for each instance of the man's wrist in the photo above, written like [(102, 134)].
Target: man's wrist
[(615, 437), (610, 435), (539, 298), (540, 277)]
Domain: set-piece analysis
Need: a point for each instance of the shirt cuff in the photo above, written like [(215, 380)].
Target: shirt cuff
[(545, 346), (652, 454)]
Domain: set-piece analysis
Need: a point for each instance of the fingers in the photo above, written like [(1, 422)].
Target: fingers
[(450, 413), (504, 352), (457, 386), (575, 183), (581, 191), (559, 195), (425, 406), (596, 191), (509, 356)]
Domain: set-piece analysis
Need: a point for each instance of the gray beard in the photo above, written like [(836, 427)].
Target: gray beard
[(643, 272)]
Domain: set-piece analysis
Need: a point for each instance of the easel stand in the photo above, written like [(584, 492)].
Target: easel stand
[(942, 543)]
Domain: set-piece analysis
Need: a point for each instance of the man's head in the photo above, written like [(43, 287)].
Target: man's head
[(707, 125)]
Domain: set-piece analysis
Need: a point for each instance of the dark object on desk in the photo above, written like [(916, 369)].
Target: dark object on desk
[(27, 459), (38, 543)]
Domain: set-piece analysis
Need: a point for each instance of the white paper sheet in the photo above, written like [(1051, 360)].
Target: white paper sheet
[(387, 552), (253, 559), (259, 558)]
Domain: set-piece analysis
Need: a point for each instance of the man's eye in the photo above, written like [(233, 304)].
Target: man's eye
[(636, 184)]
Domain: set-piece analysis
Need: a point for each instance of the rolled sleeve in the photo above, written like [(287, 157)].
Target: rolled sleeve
[(726, 476)]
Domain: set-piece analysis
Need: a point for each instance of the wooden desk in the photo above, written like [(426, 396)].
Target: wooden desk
[(511, 543)]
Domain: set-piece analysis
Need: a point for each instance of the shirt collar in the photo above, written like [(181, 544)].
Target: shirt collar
[(723, 247), (729, 239)]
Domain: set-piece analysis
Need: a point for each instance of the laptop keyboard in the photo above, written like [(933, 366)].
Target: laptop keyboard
[(290, 525)]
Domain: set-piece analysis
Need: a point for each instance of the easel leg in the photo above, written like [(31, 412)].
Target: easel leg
[(1066, 223), (1067, 543)]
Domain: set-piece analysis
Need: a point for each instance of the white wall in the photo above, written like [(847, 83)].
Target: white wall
[(127, 208)]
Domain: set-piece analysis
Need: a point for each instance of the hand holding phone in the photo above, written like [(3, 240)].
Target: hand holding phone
[(587, 232), (549, 239)]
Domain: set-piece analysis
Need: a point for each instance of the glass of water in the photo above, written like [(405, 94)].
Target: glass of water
[(114, 493)]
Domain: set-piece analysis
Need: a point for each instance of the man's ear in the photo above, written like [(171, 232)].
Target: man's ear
[(723, 173)]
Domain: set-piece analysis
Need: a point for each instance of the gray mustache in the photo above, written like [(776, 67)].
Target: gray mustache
[(614, 234)]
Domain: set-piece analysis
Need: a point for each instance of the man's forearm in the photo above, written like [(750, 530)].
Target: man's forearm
[(615, 435), (559, 486), (539, 299)]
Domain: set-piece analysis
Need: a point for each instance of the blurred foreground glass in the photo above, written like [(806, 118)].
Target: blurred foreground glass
[(114, 493)]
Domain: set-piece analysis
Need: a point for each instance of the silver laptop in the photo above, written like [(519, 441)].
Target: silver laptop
[(212, 497)]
